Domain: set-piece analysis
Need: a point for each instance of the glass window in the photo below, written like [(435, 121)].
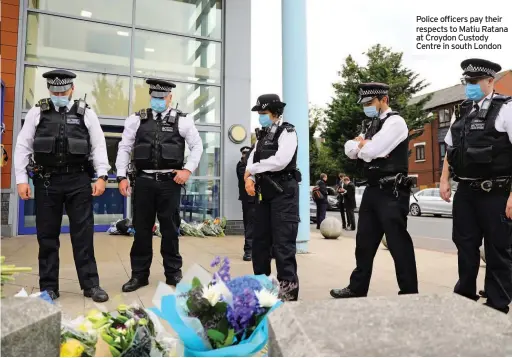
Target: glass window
[(210, 160), (420, 152), (60, 42), (444, 118), (167, 56), (111, 10), (202, 102), (107, 95), (199, 18), (112, 145), (201, 200)]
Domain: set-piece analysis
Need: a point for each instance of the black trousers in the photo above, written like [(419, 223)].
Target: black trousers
[(351, 219), (160, 199), (478, 214), (321, 212), (277, 223), (342, 212), (74, 192), (383, 213), (248, 210)]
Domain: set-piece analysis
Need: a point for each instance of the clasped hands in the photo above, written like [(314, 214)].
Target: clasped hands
[(362, 141), (249, 184)]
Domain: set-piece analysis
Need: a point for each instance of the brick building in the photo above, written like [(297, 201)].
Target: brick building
[(428, 150)]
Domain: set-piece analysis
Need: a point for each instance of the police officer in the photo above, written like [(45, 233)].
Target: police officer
[(247, 203), (157, 136), (383, 150), (272, 176), (479, 151), (62, 135)]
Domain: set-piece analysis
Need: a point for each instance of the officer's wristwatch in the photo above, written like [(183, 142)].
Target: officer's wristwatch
[(104, 177), (120, 179)]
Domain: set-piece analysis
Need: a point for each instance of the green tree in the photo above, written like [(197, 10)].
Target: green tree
[(344, 115), (109, 97), (315, 115)]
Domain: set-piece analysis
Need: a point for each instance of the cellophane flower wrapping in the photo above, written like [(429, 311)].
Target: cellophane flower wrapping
[(129, 331), (240, 312)]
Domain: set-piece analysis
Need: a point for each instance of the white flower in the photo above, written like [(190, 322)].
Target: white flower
[(266, 298), (129, 323), (212, 294), (223, 290)]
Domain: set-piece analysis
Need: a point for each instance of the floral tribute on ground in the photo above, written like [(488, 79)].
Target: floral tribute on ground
[(220, 315)]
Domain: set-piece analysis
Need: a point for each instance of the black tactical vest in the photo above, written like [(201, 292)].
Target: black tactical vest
[(269, 144), (61, 139), (479, 150), (158, 144), (396, 162)]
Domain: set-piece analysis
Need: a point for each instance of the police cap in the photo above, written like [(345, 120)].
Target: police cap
[(476, 67), (245, 149), (268, 102), (368, 91), (159, 88), (59, 80)]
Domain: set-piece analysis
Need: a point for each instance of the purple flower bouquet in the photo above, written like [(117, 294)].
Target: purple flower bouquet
[(220, 316)]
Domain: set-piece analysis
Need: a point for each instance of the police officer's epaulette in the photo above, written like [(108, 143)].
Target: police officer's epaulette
[(44, 103), (143, 114), (289, 127), (501, 98)]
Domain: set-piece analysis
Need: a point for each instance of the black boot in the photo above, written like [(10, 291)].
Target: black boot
[(97, 294), (343, 293), (134, 284), (174, 280), (482, 293), (53, 294), (247, 257)]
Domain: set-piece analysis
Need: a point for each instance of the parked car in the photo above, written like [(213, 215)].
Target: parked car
[(312, 210), (428, 201), (332, 198)]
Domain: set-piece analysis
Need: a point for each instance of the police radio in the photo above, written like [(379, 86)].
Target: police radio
[(174, 114), (81, 106), (272, 133), (482, 113)]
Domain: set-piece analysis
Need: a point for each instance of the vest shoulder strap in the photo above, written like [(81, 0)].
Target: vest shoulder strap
[(44, 104), (501, 98), (143, 114), (392, 113), (288, 126)]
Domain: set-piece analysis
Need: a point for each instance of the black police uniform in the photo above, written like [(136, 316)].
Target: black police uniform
[(158, 146), (384, 208), (248, 204), (277, 210), (481, 161), (63, 178)]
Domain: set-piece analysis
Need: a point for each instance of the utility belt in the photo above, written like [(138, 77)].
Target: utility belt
[(396, 183), (157, 176), (487, 185), (269, 185), (36, 171)]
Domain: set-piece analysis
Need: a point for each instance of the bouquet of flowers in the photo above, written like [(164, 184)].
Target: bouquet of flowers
[(220, 316), (7, 272), (129, 331)]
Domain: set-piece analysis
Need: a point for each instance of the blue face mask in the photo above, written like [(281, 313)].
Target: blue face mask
[(60, 101), (474, 92), (158, 104), (265, 120), (370, 111)]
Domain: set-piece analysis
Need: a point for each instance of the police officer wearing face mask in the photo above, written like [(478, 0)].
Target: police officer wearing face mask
[(157, 136), (479, 151), (62, 135), (272, 176), (383, 151)]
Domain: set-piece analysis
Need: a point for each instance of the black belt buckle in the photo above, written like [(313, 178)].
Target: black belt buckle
[(486, 185), (158, 176)]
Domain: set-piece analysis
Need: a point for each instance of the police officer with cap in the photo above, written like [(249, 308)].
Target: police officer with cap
[(383, 150), (272, 177), (62, 135), (479, 152), (157, 136), (247, 203)]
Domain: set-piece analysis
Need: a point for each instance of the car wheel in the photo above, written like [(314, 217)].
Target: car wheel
[(415, 210)]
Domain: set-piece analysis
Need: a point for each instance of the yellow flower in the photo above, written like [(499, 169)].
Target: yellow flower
[(122, 308), (71, 348)]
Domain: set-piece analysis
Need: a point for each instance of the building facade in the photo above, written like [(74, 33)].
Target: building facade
[(113, 46), (429, 149)]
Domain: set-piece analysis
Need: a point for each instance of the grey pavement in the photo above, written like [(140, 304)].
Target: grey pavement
[(427, 232)]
